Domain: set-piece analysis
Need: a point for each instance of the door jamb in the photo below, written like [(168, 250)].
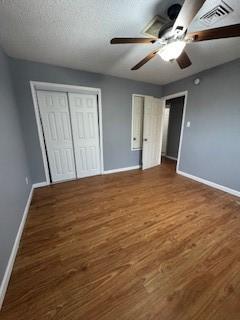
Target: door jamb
[(172, 96), (36, 85)]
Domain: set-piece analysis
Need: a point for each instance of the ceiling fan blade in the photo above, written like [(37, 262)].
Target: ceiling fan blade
[(216, 33), (133, 40), (145, 60), (189, 9), (183, 60)]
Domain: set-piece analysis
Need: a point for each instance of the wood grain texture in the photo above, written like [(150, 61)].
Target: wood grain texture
[(133, 40), (183, 60), (139, 245), (230, 31), (145, 60)]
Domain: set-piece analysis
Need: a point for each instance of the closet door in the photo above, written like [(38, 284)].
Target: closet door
[(55, 120), (137, 122), (84, 118), (152, 132)]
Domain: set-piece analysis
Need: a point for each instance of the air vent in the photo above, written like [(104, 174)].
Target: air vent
[(216, 14), (154, 26)]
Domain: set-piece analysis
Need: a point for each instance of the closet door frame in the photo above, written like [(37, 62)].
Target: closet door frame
[(35, 85)]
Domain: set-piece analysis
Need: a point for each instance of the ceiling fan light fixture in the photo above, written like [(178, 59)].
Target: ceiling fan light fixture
[(172, 50)]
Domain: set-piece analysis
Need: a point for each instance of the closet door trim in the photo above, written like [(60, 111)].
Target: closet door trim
[(35, 85)]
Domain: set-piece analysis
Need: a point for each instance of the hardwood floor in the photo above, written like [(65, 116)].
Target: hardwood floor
[(129, 246)]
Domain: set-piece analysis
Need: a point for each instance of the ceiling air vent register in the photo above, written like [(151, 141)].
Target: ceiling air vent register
[(216, 14), (154, 26)]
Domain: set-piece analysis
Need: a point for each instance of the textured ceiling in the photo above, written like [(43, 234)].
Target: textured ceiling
[(76, 34)]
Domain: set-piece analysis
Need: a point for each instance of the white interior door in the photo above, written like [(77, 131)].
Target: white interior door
[(84, 118), (152, 132), (55, 119)]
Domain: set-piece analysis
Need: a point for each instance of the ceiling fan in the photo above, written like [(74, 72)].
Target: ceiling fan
[(174, 36)]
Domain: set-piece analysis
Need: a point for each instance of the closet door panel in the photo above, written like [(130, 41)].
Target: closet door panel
[(55, 118), (137, 122), (85, 128)]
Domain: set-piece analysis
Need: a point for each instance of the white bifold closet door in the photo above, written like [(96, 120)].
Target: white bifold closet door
[(85, 128), (152, 132), (54, 112), (137, 124)]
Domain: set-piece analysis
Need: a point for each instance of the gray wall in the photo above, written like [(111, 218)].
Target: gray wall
[(174, 126), (13, 169), (116, 104), (211, 147)]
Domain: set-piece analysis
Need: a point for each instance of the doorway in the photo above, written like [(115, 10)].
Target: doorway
[(157, 128), (173, 125), (69, 124)]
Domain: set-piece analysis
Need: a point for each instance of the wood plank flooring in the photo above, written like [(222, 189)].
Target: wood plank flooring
[(129, 246)]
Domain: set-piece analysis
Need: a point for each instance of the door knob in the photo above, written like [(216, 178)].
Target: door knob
[(145, 139), (134, 139)]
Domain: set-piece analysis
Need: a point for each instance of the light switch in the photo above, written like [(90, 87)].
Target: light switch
[(188, 124)]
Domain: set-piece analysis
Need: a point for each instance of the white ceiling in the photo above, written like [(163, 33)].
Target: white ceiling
[(76, 34)]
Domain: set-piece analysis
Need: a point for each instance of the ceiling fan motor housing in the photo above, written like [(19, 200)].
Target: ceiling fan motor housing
[(173, 11), (165, 31)]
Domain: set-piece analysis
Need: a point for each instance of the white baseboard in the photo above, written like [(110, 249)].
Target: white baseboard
[(39, 184), (122, 169), (209, 183), (7, 275), (172, 158)]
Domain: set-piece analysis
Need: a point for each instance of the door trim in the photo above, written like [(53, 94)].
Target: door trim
[(172, 96), (36, 85)]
